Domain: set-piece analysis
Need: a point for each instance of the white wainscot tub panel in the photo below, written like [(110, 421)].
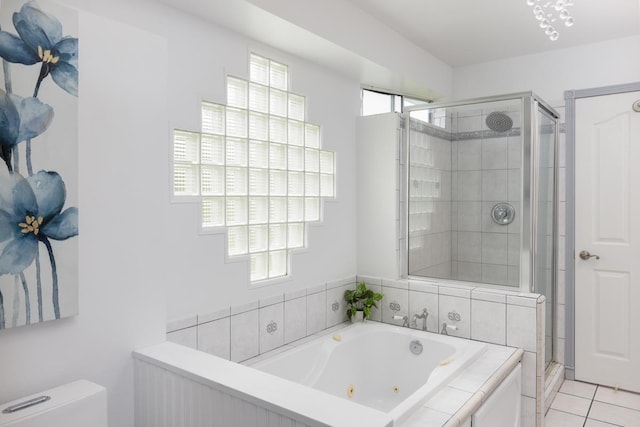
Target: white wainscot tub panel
[(180, 386)]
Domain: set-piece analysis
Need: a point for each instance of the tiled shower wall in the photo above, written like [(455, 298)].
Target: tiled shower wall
[(486, 170), (241, 332), (430, 219), (457, 175)]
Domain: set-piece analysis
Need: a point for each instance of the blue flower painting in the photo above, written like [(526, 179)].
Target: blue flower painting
[(38, 216)]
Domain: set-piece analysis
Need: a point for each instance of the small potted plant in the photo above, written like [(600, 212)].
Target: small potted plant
[(359, 302)]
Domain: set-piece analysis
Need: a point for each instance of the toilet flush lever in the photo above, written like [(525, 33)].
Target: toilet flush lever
[(26, 404), (585, 255)]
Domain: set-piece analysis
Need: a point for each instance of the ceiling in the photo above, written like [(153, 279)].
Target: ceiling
[(464, 32), (367, 39)]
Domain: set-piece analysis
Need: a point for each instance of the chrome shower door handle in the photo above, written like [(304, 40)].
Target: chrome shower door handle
[(585, 255)]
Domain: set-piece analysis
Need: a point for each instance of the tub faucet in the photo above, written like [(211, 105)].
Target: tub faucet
[(423, 316), (405, 320)]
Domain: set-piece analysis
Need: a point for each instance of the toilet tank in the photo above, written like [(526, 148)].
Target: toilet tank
[(77, 404)]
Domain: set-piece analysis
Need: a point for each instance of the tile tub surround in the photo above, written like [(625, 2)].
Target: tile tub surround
[(243, 331), (495, 316)]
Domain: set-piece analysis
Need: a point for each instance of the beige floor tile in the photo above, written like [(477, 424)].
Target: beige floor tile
[(562, 419), (620, 398), (578, 388), (614, 414), (571, 404)]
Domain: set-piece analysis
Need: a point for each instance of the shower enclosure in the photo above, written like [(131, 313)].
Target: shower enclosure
[(481, 191)]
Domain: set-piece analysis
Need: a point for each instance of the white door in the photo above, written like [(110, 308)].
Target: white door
[(607, 288)]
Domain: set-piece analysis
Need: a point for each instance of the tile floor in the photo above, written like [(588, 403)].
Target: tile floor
[(588, 405)]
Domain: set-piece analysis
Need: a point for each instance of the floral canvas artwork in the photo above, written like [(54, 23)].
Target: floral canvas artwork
[(38, 162)]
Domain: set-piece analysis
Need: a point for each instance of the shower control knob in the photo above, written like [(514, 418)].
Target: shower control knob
[(585, 255)]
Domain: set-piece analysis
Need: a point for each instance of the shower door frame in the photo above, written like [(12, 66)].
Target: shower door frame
[(552, 114), (530, 103)]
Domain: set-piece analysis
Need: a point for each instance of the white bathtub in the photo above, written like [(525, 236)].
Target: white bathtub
[(372, 364)]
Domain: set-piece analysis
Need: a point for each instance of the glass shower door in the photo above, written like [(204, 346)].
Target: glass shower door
[(545, 207)]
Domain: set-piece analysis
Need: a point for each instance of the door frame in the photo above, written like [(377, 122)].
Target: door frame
[(570, 97)]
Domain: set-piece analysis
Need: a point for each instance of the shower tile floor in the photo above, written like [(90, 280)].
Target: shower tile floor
[(588, 405)]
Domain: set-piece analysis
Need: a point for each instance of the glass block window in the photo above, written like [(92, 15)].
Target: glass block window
[(257, 167)]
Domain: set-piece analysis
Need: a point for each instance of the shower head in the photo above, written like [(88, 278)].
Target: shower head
[(499, 122)]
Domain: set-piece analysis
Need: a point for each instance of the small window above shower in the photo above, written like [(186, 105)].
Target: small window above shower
[(379, 102)]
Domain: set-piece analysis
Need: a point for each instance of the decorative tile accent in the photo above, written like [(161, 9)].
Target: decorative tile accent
[(271, 331), (336, 305), (272, 327), (462, 306), (421, 300), (394, 303)]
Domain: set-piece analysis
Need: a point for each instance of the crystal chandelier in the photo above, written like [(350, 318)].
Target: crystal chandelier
[(548, 12)]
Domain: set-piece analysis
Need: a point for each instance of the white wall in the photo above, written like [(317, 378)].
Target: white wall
[(378, 195), (143, 70), (550, 74), (123, 152), (200, 57)]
